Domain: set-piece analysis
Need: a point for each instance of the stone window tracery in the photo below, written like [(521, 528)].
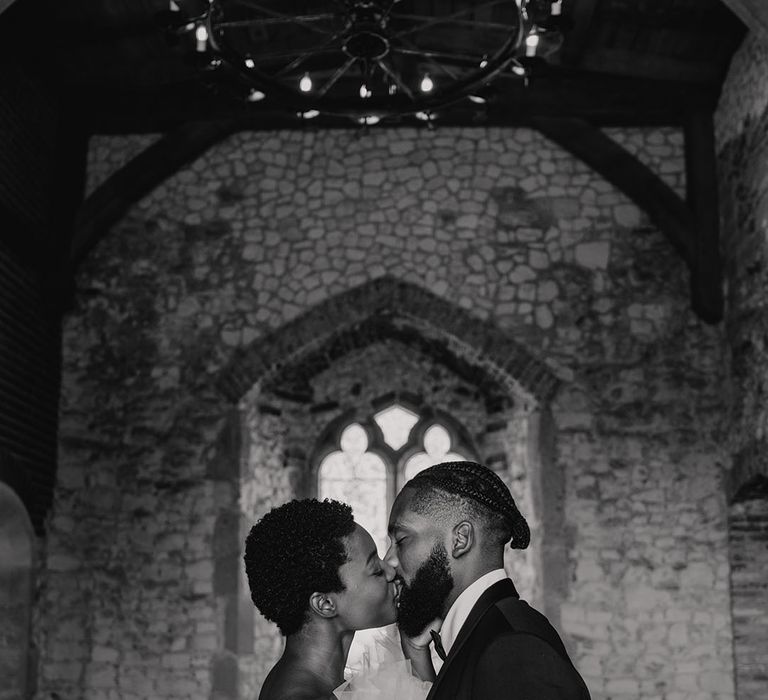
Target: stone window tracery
[(366, 462)]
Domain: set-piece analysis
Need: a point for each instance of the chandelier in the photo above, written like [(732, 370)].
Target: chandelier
[(367, 60)]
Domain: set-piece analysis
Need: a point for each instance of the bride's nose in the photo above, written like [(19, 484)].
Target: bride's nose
[(390, 557)]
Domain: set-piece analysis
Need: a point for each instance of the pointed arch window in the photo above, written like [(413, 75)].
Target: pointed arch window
[(356, 476), (366, 462)]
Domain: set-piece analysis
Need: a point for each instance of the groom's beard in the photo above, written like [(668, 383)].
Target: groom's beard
[(423, 600)]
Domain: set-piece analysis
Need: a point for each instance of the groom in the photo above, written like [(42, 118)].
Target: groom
[(448, 527)]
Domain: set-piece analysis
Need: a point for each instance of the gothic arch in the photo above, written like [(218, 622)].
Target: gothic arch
[(387, 307), (506, 373)]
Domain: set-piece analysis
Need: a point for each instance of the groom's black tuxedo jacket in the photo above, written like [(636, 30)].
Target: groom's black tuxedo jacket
[(506, 649)]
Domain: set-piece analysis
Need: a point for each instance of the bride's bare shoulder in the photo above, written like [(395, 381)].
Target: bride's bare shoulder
[(297, 694), (284, 683)]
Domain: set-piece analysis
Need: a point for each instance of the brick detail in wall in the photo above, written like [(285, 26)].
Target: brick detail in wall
[(29, 377), (28, 128), (386, 307), (749, 464), (749, 589)]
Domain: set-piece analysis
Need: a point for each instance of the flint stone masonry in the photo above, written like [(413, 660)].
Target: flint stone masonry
[(742, 120), (499, 225), (742, 130)]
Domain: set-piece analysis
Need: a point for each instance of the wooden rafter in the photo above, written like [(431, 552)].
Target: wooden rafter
[(601, 99), (702, 199), (692, 230), (754, 14), (109, 202), (5, 4)]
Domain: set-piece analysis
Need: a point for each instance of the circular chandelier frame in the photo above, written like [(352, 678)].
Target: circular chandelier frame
[(363, 59)]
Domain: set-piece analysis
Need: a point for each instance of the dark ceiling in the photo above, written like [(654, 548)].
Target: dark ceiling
[(622, 62)]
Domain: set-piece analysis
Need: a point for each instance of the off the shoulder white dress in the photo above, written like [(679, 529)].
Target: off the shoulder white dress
[(383, 674)]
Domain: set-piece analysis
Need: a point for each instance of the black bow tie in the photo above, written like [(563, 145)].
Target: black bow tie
[(438, 644)]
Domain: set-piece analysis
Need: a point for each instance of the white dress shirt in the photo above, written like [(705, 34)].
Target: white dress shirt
[(459, 611)]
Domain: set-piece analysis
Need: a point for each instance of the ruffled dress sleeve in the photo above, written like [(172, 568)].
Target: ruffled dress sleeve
[(385, 675)]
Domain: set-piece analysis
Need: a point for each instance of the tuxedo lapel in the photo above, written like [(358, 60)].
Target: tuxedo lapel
[(498, 591)]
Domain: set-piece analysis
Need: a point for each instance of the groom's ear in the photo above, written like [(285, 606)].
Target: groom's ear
[(462, 538), (322, 604)]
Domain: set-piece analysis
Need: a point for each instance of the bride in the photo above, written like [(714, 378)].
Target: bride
[(316, 573)]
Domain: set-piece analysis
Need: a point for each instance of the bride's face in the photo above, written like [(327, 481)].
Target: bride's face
[(368, 599)]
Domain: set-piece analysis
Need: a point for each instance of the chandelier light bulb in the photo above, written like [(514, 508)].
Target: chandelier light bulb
[(309, 114), (531, 42), (305, 84), (250, 63), (364, 91), (370, 120), (255, 95), (392, 89), (477, 99), (517, 69), (484, 62), (173, 7), (201, 37), (426, 83), (557, 8)]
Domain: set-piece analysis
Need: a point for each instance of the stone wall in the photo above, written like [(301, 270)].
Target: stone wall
[(742, 128), (268, 481), (521, 246)]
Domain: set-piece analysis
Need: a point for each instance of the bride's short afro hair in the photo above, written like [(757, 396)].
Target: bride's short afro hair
[(293, 551)]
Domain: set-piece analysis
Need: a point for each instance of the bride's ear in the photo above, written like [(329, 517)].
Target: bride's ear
[(322, 604)]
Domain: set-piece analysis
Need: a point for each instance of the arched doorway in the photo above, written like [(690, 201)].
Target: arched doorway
[(352, 358)]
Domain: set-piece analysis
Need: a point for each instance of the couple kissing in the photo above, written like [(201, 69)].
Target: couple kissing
[(317, 574)]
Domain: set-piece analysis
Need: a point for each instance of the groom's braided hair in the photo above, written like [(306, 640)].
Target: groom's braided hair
[(293, 551), (477, 489)]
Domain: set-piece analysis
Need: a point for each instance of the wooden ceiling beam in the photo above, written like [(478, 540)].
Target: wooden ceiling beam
[(111, 200), (754, 14), (5, 4), (692, 231), (702, 199), (691, 228), (601, 99)]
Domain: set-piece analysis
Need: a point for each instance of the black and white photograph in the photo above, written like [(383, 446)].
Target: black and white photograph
[(383, 350)]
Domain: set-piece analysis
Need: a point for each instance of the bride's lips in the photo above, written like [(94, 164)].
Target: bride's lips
[(397, 586)]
